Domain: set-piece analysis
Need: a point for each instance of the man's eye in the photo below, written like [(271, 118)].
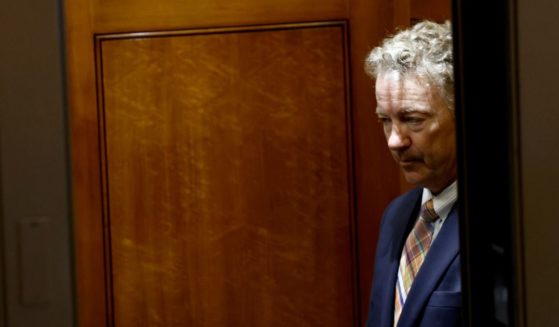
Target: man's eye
[(413, 120), (384, 120)]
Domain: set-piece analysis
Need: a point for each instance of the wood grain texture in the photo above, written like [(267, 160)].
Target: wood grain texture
[(402, 14), (409, 12), (436, 10), (134, 15), (229, 179)]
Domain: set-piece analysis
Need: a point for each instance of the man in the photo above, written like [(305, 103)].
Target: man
[(417, 266)]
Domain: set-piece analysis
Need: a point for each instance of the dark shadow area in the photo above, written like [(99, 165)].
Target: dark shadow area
[(488, 165)]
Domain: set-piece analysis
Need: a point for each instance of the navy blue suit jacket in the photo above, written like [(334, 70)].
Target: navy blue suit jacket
[(435, 297)]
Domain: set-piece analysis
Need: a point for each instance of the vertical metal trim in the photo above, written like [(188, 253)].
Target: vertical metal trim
[(68, 155), (471, 168), (516, 169), (457, 24), (3, 280)]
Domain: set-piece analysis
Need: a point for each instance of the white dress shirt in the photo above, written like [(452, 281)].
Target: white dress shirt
[(442, 203)]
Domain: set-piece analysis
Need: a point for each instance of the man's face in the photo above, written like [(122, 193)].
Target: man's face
[(419, 129)]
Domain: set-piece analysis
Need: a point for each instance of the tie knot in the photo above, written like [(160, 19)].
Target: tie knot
[(428, 212)]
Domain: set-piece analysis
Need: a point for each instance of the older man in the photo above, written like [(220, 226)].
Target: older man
[(417, 268)]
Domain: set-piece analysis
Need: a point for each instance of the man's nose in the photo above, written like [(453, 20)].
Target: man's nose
[(398, 139)]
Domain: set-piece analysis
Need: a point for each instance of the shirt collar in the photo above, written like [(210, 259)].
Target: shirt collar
[(442, 202)]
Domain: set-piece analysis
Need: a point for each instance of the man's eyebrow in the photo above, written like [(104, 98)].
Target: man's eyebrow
[(403, 111), (408, 110)]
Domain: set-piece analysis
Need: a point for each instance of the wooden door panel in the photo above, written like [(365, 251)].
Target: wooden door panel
[(228, 177), (292, 168)]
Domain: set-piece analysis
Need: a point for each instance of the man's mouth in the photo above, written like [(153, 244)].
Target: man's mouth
[(405, 160), (409, 161)]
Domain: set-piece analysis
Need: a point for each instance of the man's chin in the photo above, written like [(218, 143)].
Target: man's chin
[(414, 178)]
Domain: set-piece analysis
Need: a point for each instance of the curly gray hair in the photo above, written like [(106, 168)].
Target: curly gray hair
[(425, 50)]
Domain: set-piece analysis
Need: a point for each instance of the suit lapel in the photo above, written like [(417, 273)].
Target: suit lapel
[(405, 215), (443, 250)]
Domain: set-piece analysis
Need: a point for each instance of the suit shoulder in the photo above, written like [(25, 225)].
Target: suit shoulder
[(408, 198), (403, 206)]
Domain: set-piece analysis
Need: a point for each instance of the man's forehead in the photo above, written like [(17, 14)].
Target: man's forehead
[(397, 93), (388, 88), (399, 77)]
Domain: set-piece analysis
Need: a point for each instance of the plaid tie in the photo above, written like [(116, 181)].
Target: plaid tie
[(413, 254)]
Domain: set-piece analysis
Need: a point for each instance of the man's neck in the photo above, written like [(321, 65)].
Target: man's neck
[(446, 188)]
